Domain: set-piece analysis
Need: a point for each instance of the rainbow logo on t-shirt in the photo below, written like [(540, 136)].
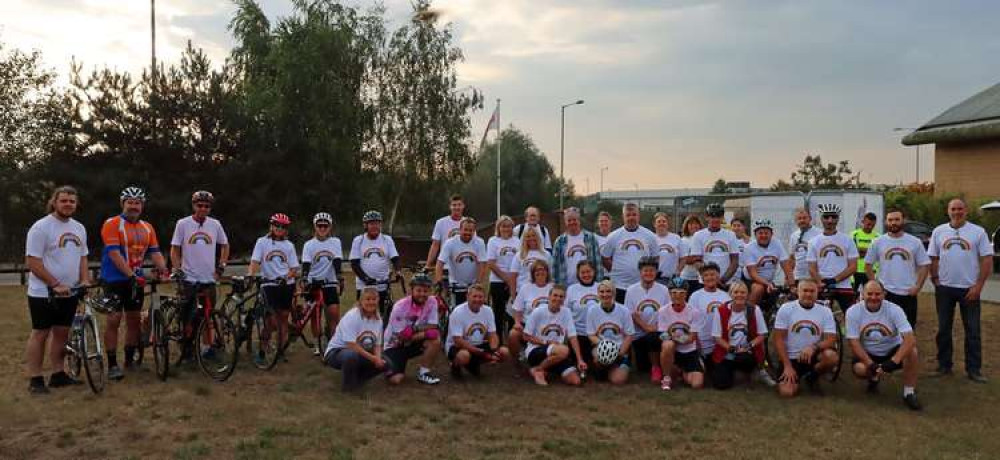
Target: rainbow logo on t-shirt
[(737, 332), (324, 254), (199, 237), (276, 256), (466, 256), (681, 332), (373, 252), (507, 250), (876, 331), (69, 238), (956, 241), (900, 253), (648, 306), (476, 331), (452, 232), (576, 250), (667, 248), (609, 331), (806, 326), (632, 244), (712, 306), (539, 302), (553, 331), (589, 299), (716, 246), (831, 249), (366, 339), (767, 261)]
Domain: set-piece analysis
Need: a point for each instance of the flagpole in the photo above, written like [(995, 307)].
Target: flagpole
[(498, 158)]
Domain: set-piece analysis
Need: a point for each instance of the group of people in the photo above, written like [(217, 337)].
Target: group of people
[(686, 307)]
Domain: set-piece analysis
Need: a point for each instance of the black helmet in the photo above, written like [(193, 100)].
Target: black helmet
[(371, 216), (649, 261), (714, 210), (421, 279), (676, 282)]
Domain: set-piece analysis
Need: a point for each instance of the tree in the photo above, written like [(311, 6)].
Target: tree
[(720, 187), (812, 174)]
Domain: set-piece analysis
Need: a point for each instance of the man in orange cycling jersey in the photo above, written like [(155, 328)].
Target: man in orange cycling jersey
[(127, 242)]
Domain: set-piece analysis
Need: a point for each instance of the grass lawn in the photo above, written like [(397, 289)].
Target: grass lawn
[(297, 410)]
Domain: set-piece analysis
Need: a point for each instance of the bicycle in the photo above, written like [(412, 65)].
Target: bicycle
[(215, 352), (785, 295), (826, 297), (247, 310), (84, 348), (314, 314), (164, 326)]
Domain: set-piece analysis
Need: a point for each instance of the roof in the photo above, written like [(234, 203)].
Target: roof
[(975, 118)]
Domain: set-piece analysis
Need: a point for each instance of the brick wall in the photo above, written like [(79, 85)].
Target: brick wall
[(970, 168)]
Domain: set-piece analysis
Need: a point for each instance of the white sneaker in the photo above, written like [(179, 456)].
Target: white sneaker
[(428, 378), (764, 376)]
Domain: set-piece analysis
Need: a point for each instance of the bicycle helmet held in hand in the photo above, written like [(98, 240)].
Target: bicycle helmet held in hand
[(133, 193), (371, 216), (829, 209), (714, 210), (607, 352), (280, 219)]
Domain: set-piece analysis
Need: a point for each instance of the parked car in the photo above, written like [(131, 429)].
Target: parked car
[(919, 230)]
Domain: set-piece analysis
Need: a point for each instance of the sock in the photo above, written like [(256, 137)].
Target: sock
[(423, 370), (112, 359), (908, 391)]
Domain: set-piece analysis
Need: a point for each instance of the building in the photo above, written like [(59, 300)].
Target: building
[(967, 146)]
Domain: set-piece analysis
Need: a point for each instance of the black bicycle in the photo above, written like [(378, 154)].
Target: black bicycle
[(784, 295), (247, 310)]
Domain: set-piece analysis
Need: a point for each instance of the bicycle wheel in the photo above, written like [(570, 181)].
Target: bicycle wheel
[(263, 341), (218, 360), (93, 364), (839, 343), (772, 362), (159, 342), (173, 336), (72, 363)]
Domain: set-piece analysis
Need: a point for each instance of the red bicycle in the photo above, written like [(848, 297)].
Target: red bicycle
[(311, 314), (207, 334)]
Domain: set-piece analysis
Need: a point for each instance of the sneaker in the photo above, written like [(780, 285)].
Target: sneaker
[(977, 377), (115, 373), (259, 360), (655, 374), (943, 372), (665, 383), (428, 378), (36, 386), (764, 376), (62, 379), (911, 401), (208, 354), (316, 351)]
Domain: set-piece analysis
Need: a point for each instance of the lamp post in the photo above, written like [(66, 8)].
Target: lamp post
[(562, 150), (600, 195), (918, 150)]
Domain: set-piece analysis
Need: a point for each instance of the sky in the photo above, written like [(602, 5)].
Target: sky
[(678, 93)]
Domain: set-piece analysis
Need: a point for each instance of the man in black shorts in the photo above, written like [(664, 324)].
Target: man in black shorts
[(472, 335), (804, 336), (413, 332)]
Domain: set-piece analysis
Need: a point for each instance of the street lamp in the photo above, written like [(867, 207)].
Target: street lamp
[(918, 149), (600, 196), (562, 150)]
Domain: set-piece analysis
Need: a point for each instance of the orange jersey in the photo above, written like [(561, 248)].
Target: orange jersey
[(133, 240)]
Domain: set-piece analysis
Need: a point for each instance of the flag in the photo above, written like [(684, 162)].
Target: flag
[(494, 123)]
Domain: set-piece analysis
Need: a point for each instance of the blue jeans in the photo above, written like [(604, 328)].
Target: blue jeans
[(355, 369), (946, 297)]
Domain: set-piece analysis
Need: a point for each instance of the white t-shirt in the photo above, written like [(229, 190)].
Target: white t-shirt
[(708, 303), (739, 327), (579, 299), (551, 327), (647, 302), (959, 251), (880, 331), (898, 260), (522, 267), (475, 328), (715, 247), (60, 245), (832, 254), (462, 259), (542, 234), (741, 246), (766, 259), (601, 240), (445, 228), (375, 256), (276, 258), (799, 250), (575, 252), (354, 328), (321, 254), (501, 252), (614, 325), (681, 327), (198, 243), (805, 326), (529, 297), (690, 271), (670, 249), (625, 248)]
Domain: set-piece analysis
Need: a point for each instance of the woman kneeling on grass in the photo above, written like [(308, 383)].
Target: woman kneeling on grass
[(356, 346), (739, 332)]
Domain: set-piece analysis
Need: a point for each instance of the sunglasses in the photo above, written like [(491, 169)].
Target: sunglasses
[(831, 217), (322, 225), (280, 227), (203, 206)]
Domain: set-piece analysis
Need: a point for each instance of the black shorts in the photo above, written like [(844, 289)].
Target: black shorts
[(474, 360), (331, 295), (189, 297), (129, 296), (643, 346), (397, 358), (801, 368), (45, 314), (688, 362), (538, 354), (279, 297), (724, 373), (879, 359), (908, 303), (844, 298)]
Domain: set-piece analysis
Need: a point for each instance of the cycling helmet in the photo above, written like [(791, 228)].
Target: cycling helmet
[(714, 210), (607, 352), (676, 282), (133, 193), (371, 216), (829, 209), (280, 219), (649, 261), (202, 195), (762, 223), (322, 217), (421, 279)]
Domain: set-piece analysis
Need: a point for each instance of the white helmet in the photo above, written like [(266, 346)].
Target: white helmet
[(829, 208), (762, 223), (322, 217), (607, 352)]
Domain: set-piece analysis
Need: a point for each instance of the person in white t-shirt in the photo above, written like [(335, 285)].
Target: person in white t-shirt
[(464, 257), (716, 244), (321, 261), (374, 260), (833, 259), (761, 260), (961, 262), (445, 228), (882, 342), (520, 265), (532, 220), (579, 298), (692, 224), (356, 347), (472, 335), (743, 239), (500, 252), (56, 256), (274, 259), (804, 338), (547, 333), (678, 324), (708, 299), (624, 248), (798, 243), (740, 333), (903, 265), (604, 223), (643, 300), (572, 247), (530, 297), (610, 321), (670, 247)]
